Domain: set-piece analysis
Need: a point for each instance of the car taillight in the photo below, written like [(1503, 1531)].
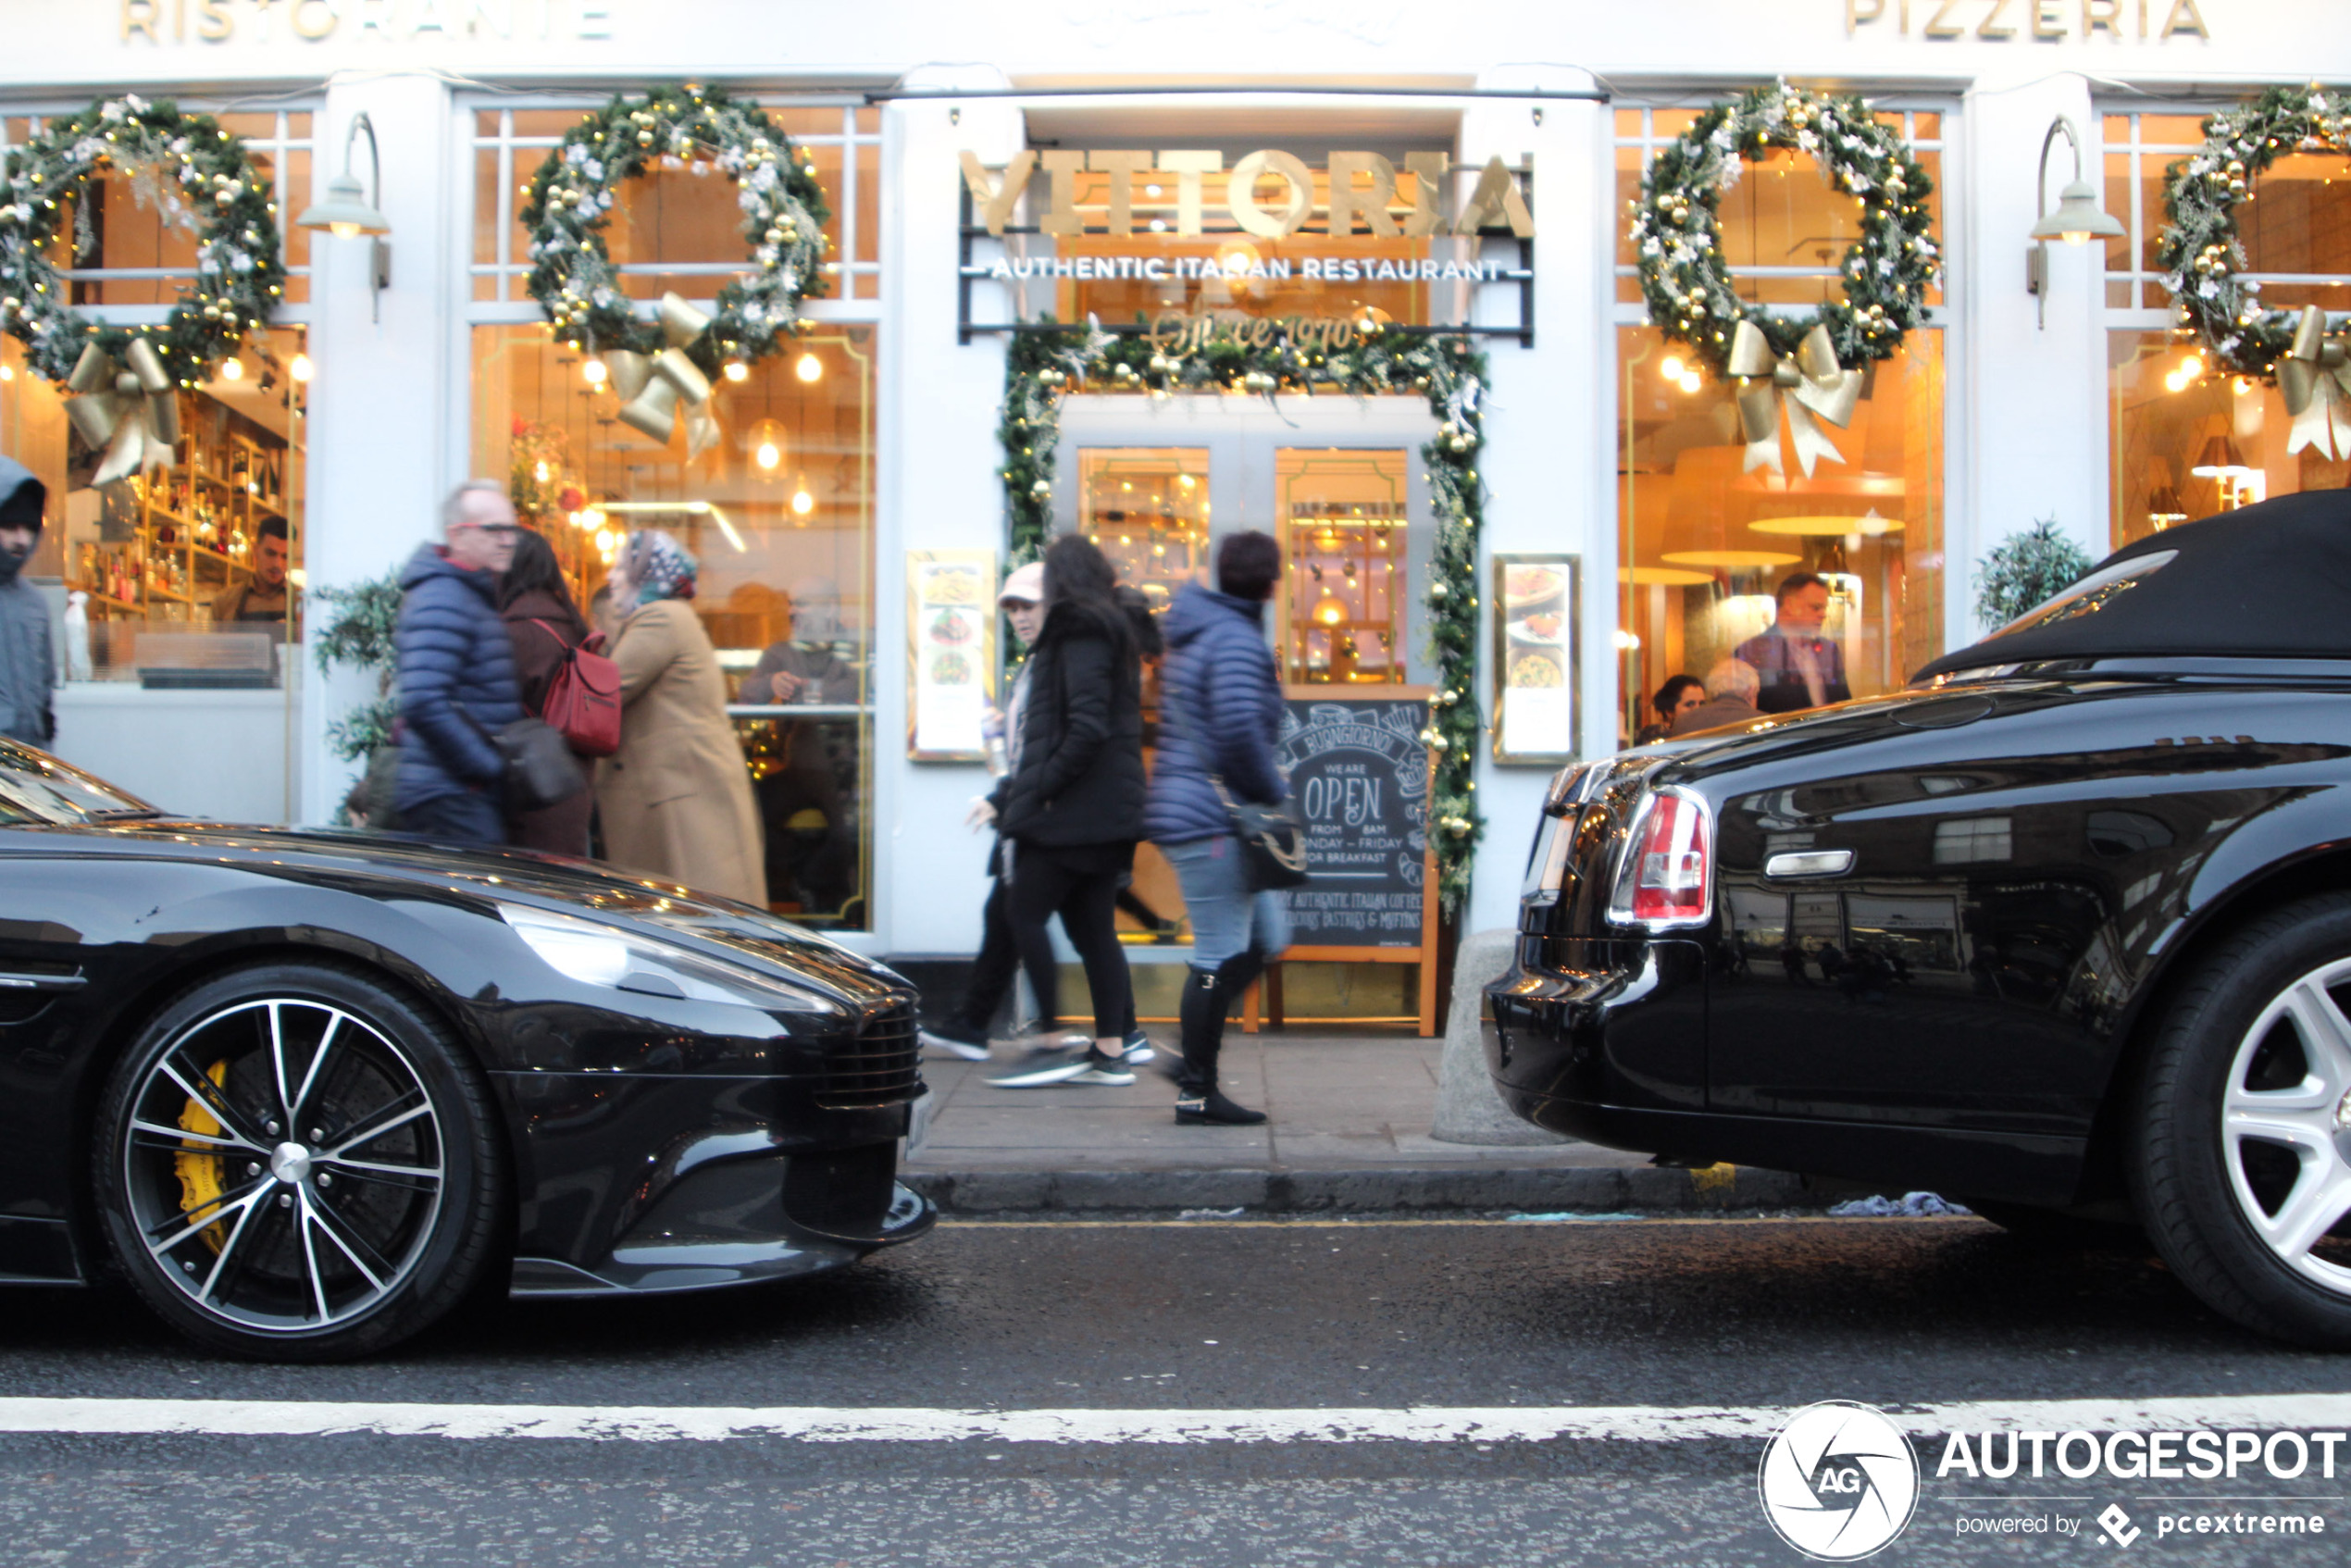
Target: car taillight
[(1667, 879)]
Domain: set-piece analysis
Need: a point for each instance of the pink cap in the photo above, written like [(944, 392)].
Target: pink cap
[(1026, 583)]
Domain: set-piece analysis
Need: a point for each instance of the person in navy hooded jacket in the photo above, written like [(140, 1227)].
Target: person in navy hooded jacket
[(455, 684), (1220, 714)]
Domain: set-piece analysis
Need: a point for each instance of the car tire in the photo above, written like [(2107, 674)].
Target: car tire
[(2240, 1141), (295, 1161)]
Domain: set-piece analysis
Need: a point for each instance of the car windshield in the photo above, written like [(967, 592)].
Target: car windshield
[(41, 789), (2092, 594)]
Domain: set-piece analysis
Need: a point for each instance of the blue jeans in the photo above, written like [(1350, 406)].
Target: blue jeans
[(1228, 919), (469, 817)]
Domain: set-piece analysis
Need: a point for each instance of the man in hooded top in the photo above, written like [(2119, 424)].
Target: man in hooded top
[(28, 664)]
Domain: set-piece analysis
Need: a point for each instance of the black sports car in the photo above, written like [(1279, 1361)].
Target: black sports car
[(308, 1090), (2063, 929)]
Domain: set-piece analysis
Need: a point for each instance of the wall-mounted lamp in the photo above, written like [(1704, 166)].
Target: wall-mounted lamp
[(2078, 218), (347, 212)]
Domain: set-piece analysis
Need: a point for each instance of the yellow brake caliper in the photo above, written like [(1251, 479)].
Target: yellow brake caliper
[(204, 1175)]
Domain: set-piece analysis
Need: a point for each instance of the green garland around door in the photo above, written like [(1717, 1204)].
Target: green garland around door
[(1368, 361)]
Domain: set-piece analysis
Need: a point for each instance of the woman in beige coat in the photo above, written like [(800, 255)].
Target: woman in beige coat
[(676, 799)]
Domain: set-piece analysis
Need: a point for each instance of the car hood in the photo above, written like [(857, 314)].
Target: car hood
[(377, 864)]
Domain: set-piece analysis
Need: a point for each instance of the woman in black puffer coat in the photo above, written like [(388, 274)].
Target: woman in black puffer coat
[(1070, 807)]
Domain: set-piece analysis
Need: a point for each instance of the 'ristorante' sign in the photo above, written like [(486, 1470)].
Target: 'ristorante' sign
[(1362, 190)]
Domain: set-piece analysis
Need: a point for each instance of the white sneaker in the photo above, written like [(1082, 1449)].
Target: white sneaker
[(955, 1042), (1065, 1068)]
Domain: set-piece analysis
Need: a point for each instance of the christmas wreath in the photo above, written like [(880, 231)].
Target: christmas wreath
[(1043, 367), (1816, 360), (198, 175), (2201, 255), (699, 128)]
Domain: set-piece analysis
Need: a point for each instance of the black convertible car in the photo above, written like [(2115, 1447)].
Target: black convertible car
[(306, 1090), (2063, 929)]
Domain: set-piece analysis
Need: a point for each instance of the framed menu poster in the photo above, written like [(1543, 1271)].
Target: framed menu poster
[(951, 653), (1538, 663)]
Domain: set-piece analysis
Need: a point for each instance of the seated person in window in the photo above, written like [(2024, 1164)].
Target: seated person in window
[(1798, 666), (265, 595), (804, 665)]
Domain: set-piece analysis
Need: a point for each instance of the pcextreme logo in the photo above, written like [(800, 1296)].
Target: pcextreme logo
[(1839, 1481)]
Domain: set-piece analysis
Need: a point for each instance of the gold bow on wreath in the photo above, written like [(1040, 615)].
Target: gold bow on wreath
[(1813, 383), (2315, 376), (127, 411), (652, 388)]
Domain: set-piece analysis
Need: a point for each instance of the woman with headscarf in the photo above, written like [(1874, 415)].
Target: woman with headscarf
[(545, 626), (676, 799)]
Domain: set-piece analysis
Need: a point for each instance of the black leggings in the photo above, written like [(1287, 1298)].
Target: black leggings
[(1088, 903)]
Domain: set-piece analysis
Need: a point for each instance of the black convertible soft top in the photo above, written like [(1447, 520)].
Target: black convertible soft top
[(2273, 580)]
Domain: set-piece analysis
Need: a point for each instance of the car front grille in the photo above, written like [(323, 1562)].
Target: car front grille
[(845, 1193), (880, 1066)]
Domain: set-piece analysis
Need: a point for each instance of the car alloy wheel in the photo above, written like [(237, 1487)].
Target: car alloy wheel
[(2241, 1149), (2285, 1127), (297, 1164)]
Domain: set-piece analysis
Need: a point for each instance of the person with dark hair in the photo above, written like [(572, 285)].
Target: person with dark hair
[(1221, 705), (1679, 693), (545, 626), (265, 595), (1070, 810), (1796, 666), (28, 663)]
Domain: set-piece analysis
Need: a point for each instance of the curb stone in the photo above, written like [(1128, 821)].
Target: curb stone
[(1638, 1190)]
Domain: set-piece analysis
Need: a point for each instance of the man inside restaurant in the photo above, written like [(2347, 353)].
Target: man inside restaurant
[(265, 595), (1796, 666)]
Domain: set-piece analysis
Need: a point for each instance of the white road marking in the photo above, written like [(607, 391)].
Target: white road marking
[(1637, 1424)]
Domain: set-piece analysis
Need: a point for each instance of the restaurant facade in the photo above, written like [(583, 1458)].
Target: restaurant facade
[(1368, 277)]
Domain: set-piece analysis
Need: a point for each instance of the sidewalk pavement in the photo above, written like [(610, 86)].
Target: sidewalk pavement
[(1348, 1133)]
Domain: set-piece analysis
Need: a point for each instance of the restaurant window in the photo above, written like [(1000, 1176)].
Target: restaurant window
[(171, 558), (2186, 439), (1703, 542), (778, 510)]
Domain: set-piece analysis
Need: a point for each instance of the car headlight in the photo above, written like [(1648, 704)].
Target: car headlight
[(598, 954)]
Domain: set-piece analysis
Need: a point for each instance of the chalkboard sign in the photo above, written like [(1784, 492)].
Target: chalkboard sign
[(1359, 773)]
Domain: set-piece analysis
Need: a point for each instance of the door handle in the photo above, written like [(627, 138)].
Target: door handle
[(10, 980), (1810, 863)]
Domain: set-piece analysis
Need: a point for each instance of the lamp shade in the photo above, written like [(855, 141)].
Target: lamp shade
[(2165, 507), (345, 211), (2221, 460), (2078, 218)]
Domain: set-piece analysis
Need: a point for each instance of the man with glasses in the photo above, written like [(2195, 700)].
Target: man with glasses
[(455, 686)]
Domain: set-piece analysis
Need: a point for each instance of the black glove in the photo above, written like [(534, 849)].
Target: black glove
[(48, 723)]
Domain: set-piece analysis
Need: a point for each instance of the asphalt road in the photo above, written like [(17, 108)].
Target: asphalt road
[(1754, 1314)]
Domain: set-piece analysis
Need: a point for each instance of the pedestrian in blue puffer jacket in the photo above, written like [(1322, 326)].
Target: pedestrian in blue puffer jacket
[(1221, 715), (456, 668)]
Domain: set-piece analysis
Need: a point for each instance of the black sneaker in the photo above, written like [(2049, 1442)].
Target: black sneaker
[(1213, 1110), (956, 1041), (1042, 1067), (1137, 1050)]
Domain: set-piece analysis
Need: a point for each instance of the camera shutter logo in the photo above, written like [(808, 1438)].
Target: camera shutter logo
[(1839, 1482)]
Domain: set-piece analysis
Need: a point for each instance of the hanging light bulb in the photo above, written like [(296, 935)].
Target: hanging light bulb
[(593, 372), (299, 368), (809, 367), (233, 370), (767, 444), (737, 371), (801, 501), (767, 456), (1691, 380), (1671, 368)]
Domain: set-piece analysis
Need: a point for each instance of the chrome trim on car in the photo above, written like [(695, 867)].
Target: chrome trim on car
[(1810, 863)]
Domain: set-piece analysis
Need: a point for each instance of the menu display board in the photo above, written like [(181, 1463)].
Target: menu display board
[(951, 653), (1359, 774), (1537, 667)]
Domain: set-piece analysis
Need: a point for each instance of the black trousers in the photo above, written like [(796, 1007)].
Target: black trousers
[(1088, 904)]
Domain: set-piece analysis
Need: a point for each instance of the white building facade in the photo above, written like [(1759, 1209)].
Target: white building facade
[(2003, 408)]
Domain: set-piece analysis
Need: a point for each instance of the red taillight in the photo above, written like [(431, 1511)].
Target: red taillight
[(1668, 877)]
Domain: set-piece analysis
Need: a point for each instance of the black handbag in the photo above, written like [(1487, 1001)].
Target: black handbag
[(540, 769), (1272, 840)]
